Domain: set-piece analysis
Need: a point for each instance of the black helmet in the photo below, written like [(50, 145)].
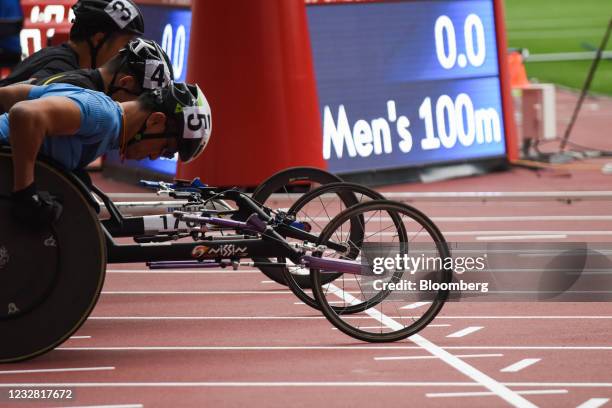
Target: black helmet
[(187, 106), (104, 16), (146, 60)]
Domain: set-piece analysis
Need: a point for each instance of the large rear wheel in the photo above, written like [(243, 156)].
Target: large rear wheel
[(280, 192)]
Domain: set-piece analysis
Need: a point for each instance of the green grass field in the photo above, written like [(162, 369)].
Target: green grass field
[(557, 26)]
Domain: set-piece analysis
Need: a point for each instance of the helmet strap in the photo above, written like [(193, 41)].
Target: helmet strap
[(111, 86), (93, 50), (140, 135)]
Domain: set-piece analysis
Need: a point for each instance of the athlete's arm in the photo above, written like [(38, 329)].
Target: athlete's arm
[(10, 95), (29, 123)]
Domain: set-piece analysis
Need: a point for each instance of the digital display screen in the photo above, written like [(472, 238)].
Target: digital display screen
[(171, 28), (404, 84)]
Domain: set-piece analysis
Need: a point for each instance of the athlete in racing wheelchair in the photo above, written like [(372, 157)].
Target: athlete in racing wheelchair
[(75, 126), (99, 30), (140, 66)]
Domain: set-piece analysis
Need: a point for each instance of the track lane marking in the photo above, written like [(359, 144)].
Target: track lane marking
[(181, 271), (519, 365), (373, 347), (486, 393), (200, 292), (517, 232), (481, 378), (503, 218), (323, 317), (378, 327), (56, 370), (518, 237), (326, 384), (434, 357), (415, 305), (593, 403), (109, 406), (465, 332)]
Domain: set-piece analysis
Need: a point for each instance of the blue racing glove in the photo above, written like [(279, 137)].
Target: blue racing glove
[(35, 209)]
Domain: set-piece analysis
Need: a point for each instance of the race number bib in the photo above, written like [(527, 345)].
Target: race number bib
[(197, 122), (157, 75), (122, 12)]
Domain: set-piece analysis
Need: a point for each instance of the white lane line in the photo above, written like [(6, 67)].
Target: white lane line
[(415, 305), (109, 406), (348, 348), (323, 317), (181, 271), (485, 393), (527, 317), (527, 232), (465, 332), (57, 370), (519, 237), (243, 384), (593, 403), (301, 384), (391, 358), (333, 302), (527, 218), (201, 292), (519, 365), (481, 378), (378, 327), (268, 281), (513, 233), (79, 337)]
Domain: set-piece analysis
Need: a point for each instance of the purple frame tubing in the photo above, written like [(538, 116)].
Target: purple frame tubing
[(253, 223)]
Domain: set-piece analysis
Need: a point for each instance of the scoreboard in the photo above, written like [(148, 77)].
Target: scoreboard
[(407, 83)]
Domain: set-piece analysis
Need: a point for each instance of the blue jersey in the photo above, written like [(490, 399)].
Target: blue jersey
[(99, 131)]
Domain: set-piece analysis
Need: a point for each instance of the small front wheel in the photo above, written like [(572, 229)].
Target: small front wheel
[(317, 208), (388, 307)]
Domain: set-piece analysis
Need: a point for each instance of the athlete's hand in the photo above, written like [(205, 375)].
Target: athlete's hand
[(35, 209)]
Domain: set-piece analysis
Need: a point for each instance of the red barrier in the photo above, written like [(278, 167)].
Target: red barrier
[(252, 59)]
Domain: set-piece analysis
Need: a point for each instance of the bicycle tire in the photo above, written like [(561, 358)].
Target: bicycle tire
[(280, 181), (346, 325), (299, 283)]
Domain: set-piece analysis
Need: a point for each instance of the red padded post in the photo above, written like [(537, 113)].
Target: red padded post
[(252, 59)]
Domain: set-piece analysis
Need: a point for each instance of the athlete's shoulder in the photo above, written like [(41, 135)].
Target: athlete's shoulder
[(82, 95), (84, 78), (46, 61)]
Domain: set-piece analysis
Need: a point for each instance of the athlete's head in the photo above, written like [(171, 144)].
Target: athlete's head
[(106, 26), (140, 66), (180, 122)]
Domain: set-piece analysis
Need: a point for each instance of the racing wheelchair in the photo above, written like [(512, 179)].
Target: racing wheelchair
[(51, 278)]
